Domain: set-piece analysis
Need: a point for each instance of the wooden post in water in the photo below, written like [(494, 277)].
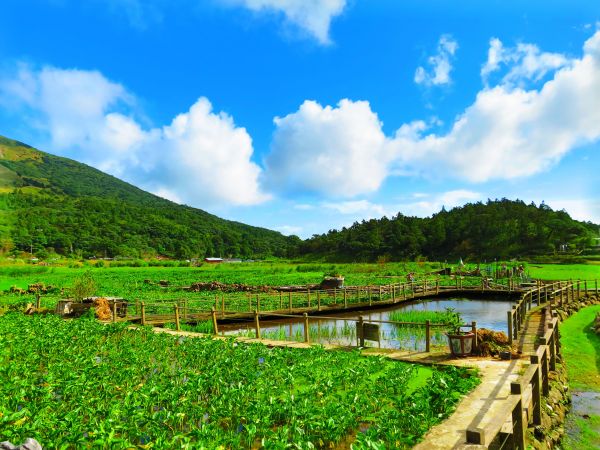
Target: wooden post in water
[(257, 324), (177, 324), (306, 329), (280, 300), (437, 287), (370, 299), (143, 314), (428, 336), (318, 301), (114, 310), (345, 299), (360, 331), (257, 303)]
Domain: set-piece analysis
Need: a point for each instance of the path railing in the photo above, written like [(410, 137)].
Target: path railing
[(524, 404), (314, 301), (553, 293)]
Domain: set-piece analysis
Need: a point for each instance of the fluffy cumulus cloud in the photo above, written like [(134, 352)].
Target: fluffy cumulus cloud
[(507, 132), (312, 16), (511, 132), (439, 65), (336, 151), (201, 158)]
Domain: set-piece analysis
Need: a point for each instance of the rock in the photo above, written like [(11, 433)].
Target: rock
[(29, 444)]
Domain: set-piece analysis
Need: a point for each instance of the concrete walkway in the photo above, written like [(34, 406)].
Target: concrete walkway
[(476, 409)]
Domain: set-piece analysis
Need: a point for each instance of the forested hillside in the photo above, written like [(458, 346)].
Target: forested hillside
[(49, 203), (497, 229)]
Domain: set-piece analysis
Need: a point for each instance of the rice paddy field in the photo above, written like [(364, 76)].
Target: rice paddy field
[(82, 384)]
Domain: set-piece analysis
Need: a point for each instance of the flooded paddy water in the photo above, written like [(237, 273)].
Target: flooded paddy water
[(341, 328)]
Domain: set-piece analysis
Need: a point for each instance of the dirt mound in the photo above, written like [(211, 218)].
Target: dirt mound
[(491, 343), (102, 307), (225, 287)]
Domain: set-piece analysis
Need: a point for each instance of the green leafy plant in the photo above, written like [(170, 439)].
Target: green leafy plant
[(83, 286)]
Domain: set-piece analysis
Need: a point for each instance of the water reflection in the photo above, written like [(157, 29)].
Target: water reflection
[(487, 313)]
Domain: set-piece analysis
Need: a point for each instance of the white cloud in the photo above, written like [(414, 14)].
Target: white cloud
[(440, 64), (525, 62), (429, 204), (202, 158), (312, 16), (510, 132), (362, 207), (586, 209), (336, 151), (289, 230)]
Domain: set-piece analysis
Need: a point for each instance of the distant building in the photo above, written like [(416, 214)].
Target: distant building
[(213, 260), (232, 260)]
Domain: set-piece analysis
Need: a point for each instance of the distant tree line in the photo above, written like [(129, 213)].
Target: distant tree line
[(497, 229)]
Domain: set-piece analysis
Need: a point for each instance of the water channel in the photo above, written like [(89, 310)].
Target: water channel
[(488, 313)]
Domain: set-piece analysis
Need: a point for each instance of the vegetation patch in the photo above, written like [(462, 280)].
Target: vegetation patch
[(581, 349), (79, 383)]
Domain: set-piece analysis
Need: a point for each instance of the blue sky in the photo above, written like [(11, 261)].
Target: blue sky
[(307, 115)]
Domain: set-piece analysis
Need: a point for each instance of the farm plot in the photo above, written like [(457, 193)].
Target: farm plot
[(79, 383)]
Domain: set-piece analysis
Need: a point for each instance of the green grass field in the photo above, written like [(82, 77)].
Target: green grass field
[(129, 282), (565, 271), (581, 352)]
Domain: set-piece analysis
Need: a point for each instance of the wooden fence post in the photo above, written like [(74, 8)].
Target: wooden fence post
[(306, 329), (427, 336), (370, 296), (437, 287), (585, 287), (214, 321), (510, 327), (290, 300), (596, 287), (318, 301), (474, 331), (257, 324), (536, 393), (38, 301), (177, 324), (223, 305), (114, 311), (308, 296), (280, 300), (143, 313), (519, 427), (578, 289), (345, 299), (257, 303)]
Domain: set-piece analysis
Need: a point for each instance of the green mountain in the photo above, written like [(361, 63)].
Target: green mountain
[(49, 203), (499, 229)]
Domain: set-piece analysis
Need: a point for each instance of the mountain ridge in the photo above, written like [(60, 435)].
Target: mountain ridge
[(70, 202)]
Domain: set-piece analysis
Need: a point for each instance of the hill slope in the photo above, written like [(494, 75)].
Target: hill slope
[(49, 202), (497, 229)]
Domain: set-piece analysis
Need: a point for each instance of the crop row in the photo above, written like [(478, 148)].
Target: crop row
[(79, 384)]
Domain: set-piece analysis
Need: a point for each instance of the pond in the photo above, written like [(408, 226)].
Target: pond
[(487, 313)]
